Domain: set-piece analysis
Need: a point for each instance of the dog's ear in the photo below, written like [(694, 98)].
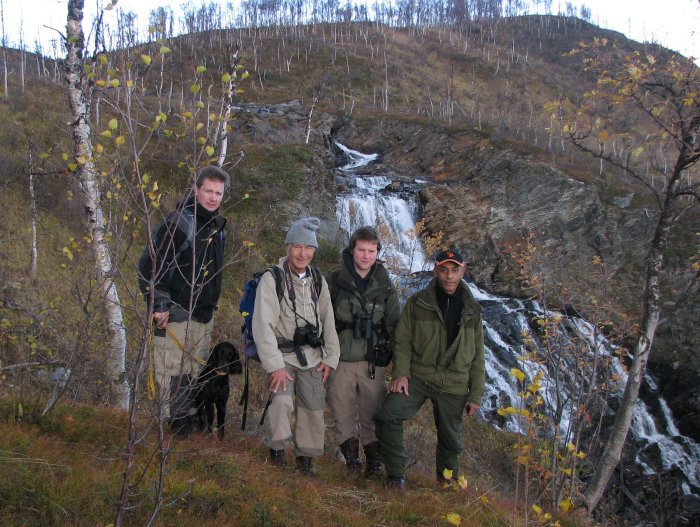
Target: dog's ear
[(236, 367)]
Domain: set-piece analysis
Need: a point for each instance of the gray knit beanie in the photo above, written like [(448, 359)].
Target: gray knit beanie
[(303, 232)]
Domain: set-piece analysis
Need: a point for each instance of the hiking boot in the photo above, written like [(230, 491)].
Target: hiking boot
[(351, 451), (373, 470), (305, 466), (277, 458), (396, 483)]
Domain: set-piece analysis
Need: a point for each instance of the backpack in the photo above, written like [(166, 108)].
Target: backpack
[(246, 308), (184, 221)]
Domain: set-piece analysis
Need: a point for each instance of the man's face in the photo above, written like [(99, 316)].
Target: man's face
[(210, 194), (363, 256), (299, 257), (449, 276)]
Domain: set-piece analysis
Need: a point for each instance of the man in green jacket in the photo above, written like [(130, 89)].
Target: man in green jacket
[(366, 309), (438, 355)]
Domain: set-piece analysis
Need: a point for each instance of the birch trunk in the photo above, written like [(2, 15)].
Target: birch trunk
[(32, 208), (226, 108), (635, 376), (78, 97)]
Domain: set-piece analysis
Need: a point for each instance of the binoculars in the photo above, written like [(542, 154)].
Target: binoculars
[(362, 327)]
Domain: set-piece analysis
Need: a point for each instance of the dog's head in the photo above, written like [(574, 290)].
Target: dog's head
[(225, 355)]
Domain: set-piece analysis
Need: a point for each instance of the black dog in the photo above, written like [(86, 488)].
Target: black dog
[(212, 386)]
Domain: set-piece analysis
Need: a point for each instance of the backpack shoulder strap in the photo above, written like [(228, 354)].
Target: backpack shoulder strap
[(333, 284), (279, 281), (184, 221), (318, 279)]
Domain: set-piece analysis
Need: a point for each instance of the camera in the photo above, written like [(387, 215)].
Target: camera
[(362, 328), (307, 335), (381, 353)]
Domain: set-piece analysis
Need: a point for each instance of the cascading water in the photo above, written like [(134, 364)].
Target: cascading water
[(510, 328)]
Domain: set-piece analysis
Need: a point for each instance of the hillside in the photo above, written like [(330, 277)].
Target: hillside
[(474, 110)]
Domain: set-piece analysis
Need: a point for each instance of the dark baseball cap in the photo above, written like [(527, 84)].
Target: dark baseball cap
[(449, 256)]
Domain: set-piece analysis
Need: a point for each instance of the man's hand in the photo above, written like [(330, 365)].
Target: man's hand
[(399, 385), (326, 369), (161, 319), (471, 409), (278, 378)]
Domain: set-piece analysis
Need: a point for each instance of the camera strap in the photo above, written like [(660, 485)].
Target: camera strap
[(292, 294)]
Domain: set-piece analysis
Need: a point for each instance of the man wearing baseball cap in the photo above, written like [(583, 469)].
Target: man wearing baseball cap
[(438, 356)]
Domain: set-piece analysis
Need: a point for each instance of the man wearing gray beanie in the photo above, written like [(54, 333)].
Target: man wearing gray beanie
[(298, 347)]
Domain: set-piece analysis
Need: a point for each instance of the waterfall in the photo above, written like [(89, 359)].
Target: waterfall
[(369, 200)]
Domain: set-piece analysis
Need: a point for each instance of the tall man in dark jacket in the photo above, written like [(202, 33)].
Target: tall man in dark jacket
[(184, 275), (366, 309), (438, 355)]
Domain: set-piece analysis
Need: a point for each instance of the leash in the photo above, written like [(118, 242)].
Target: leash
[(182, 347), (150, 374)]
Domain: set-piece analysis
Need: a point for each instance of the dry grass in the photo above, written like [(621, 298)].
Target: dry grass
[(66, 469)]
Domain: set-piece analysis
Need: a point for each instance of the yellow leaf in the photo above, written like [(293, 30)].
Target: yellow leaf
[(187, 115), (114, 83), (447, 473), (113, 124), (245, 75), (102, 58), (244, 313), (485, 499), (200, 104), (101, 83), (201, 140), (248, 244), (200, 69), (209, 150), (195, 88), (462, 482), (130, 84), (164, 50), (120, 140), (518, 374), (68, 253), (566, 505), (199, 126), (72, 166), (225, 77), (146, 59), (246, 195), (537, 509), (567, 471), (453, 518), (106, 133), (64, 156), (81, 159)]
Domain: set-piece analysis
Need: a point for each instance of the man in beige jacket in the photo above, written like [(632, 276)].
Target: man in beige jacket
[(298, 347)]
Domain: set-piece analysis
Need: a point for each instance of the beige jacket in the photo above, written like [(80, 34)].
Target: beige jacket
[(275, 321)]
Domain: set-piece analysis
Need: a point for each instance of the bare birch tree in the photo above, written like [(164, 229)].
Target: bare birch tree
[(666, 90), (79, 91)]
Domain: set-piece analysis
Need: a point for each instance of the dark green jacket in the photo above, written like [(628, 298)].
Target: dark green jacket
[(420, 343), (379, 299)]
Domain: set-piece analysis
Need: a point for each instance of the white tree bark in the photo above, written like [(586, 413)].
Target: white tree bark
[(32, 208), (226, 108), (78, 96)]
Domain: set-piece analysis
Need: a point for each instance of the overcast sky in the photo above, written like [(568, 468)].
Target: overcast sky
[(672, 23)]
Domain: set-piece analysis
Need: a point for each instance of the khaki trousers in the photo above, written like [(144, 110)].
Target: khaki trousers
[(354, 400), (170, 360), (304, 399)]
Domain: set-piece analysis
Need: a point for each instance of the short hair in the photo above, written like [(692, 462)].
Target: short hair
[(366, 234), (214, 173)]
